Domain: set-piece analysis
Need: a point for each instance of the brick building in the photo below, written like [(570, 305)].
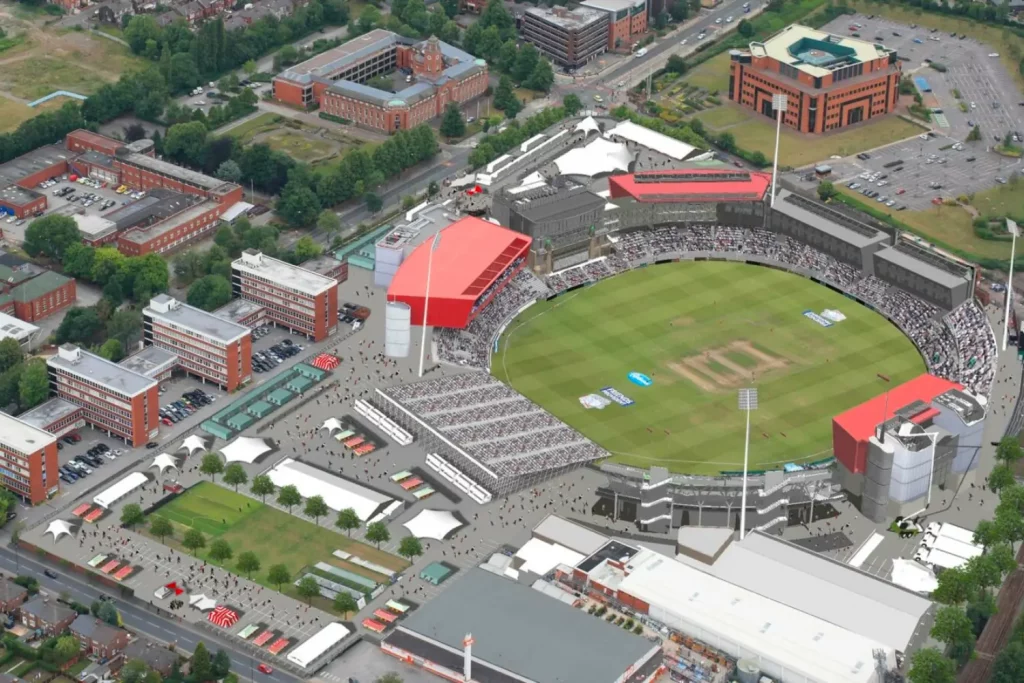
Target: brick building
[(831, 81), (46, 614), (28, 460), (335, 80), (19, 177), (627, 21), (115, 399), (568, 37), (56, 416), (11, 595), (43, 295), (207, 345), (293, 297), (328, 266), (97, 637)]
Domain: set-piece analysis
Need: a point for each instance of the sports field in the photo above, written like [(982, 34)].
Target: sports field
[(275, 536), (701, 331)]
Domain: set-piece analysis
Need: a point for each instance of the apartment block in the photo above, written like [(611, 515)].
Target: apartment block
[(293, 297), (115, 399), (568, 37), (207, 346), (28, 460)]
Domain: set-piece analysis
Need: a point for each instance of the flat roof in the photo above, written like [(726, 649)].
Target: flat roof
[(613, 5), (828, 220), (338, 58), (569, 534), (283, 274), (692, 184), (801, 643), (120, 489), (706, 540), (813, 51), (826, 589), (860, 421), (574, 18), (471, 253), (237, 309), (193, 210), (923, 268), (174, 171), (19, 168), (166, 308), (102, 371), (49, 412), (150, 361), (16, 328), (652, 139), (23, 437), (339, 493), (317, 644), (94, 227), (18, 196), (525, 632)]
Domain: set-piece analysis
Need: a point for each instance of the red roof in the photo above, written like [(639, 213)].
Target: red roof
[(692, 185), (470, 255), (860, 422)]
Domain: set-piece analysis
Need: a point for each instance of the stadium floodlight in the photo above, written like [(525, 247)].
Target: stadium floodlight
[(747, 402), (426, 299), (1011, 227), (779, 103)]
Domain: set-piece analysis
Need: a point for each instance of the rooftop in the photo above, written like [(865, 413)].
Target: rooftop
[(13, 327), (22, 437), (613, 5), (324, 265), (169, 310), (237, 309), (88, 626), (903, 259), (158, 204), (94, 227), (827, 219), (47, 609), (21, 167), (42, 284), (97, 369), (692, 184), (283, 274), (173, 171), (150, 361), (45, 414), (860, 421), (573, 536), (815, 52), (338, 58), (967, 407), (18, 196), (651, 139), (527, 633), (577, 18)]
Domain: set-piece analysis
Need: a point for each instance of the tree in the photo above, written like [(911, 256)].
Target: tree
[(307, 588), (727, 142), (679, 11), (1009, 664), (262, 486), (345, 603), (34, 385), (306, 249), (452, 123), (112, 350), (410, 547), (1000, 477), (220, 550), (77, 260), (676, 64), (51, 235), (526, 62), (278, 575), (107, 613), (66, 649), (542, 77), (185, 142), (826, 190), (504, 94), (952, 626), (315, 508), (986, 534), (250, 68), (929, 666), (373, 202), (289, 497), (209, 292), (234, 474), (200, 667), (329, 222), (125, 326), (572, 104), (378, 533), (298, 204), (745, 28), (348, 519), (433, 188), (221, 664), (955, 586), (1009, 451), (974, 135), (230, 171), (131, 514), (161, 527), (389, 677), (193, 540), (211, 464), (248, 563)]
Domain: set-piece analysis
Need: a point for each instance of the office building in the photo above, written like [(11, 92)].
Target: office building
[(28, 460), (568, 37), (627, 21)]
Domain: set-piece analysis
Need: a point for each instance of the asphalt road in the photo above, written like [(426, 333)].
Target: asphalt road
[(136, 617)]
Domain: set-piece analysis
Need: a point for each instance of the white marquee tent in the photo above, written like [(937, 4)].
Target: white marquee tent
[(122, 488), (245, 449), (164, 461), (193, 443), (600, 156), (337, 492), (201, 602), (588, 126), (331, 424), (435, 524), (913, 576), (652, 139), (58, 528)]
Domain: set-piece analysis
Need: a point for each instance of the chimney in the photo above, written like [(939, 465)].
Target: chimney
[(467, 658)]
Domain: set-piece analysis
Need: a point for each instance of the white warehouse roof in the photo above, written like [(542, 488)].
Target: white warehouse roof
[(319, 643), (338, 493), (122, 488)]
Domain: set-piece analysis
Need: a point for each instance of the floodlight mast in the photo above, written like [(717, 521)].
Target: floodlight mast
[(779, 104), (747, 403)]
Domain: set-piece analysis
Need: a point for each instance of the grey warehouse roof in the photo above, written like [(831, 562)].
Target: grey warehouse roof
[(525, 632), (922, 268), (862, 236), (173, 171)]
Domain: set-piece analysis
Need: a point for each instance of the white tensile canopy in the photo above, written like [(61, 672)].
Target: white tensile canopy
[(913, 576), (164, 461), (58, 528), (652, 139), (201, 602), (435, 524), (193, 443), (600, 156), (330, 424), (245, 449), (588, 126)]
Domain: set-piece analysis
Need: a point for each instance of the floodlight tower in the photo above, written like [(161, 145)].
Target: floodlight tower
[(747, 402), (779, 103), (1011, 226), (426, 299)]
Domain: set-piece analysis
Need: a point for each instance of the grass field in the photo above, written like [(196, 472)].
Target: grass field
[(275, 536), (701, 331), (296, 139)]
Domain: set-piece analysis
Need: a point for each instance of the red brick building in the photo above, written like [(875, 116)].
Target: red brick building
[(293, 297), (119, 401), (12, 595), (43, 295), (46, 614), (439, 74), (208, 346), (831, 81), (627, 21), (28, 460), (97, 637)]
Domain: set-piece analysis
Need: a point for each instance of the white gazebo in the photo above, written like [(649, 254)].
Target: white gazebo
[(164, 461), (245, 449), (331, 424), (58, 528), (588, 125), (193, 443), (201, 602), (435, 524)]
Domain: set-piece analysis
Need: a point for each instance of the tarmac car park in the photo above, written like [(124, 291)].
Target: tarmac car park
[(265, 361), (190, 402)]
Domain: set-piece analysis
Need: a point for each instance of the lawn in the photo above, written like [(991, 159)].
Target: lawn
[(296, 139), (258, 124), (34, 78), (275, 536), (724, 116), (685, 325), (712, 74)]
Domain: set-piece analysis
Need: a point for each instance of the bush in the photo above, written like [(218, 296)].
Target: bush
[(30, 583), (938, 66)]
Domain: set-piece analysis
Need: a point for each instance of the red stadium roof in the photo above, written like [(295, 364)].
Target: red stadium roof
[(860, 422), (694, 184), (471, 254)]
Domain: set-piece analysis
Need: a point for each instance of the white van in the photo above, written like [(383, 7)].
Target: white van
[(641, 52)]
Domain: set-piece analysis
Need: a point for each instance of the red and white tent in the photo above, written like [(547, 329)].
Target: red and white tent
[(223, 617), (326, 361)]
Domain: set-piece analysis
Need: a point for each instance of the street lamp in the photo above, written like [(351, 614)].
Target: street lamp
[(426, 299), (779, 104), (747, 402), (1011, 226)]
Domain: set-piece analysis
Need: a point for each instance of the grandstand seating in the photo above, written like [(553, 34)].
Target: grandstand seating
[(383, 422)]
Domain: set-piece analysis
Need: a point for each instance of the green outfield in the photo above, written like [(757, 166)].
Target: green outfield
[(701, 331)]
